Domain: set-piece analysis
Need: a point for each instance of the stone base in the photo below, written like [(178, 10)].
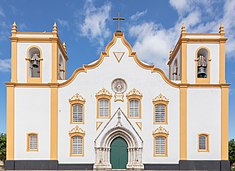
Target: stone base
[(209, 165)]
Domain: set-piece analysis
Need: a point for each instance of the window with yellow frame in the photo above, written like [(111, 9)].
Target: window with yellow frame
[(103, 98), (77, 103), (160, 104), (203, 143), (77, 141), (32, 142), (134, 98), (160, 142)]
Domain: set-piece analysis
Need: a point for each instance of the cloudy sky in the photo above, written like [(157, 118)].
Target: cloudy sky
[(152, 28)]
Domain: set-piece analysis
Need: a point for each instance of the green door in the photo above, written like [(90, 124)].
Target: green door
[(118, 153)]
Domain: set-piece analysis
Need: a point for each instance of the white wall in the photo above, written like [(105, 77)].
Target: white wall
[(204, 116), (32, 114), (214, 63), (88, 84), (22, 62)]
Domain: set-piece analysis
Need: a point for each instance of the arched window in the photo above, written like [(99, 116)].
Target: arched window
[(103, 103), (32, 142), (160, 109), (134, 108), (134, 104), (77, 141), (34, 64), (175, 70), (77, 109), (160, 142), (103, 107), (77, 113), (160, 113), (203, 143), (202, 65), (61, 68), (77, 145)]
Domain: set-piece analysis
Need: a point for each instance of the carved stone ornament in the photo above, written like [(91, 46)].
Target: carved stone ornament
[(77, 97), (104, 92), (161, 130), (160, 97), (134, 92), (119, 86), (76, 129)]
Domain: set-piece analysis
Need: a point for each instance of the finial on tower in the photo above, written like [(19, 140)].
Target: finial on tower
[(221, 28), (14, 27), (183, 29), (171, 50), (54, 28), (64, 45)]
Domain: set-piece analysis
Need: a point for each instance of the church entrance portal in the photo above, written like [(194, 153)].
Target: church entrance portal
[(118, 153)]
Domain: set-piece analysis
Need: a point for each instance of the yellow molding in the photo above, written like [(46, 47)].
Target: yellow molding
[(183, 123), (28, 142), (139, 124), (134, 94), (222, 62), (103, 94), (54, 124), (202, 80), (54, 70), (183, 64), (71, 112), (207, 142), (13, 61), (98, 124), (224, 122), (10, 122)]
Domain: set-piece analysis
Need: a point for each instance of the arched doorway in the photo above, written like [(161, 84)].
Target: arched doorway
[(119, 153)]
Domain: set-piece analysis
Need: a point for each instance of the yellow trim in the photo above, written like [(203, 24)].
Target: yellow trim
[(183, 123), (134, 94), (106, 54), (71, 111), (103, 94), (224, 122), (117, 57), (203, 80), (183, 65), (29, 78), (54, 69), (98, 124), (54, 123), (207, 143), (77, 132), (13, 60), (28, 142), (139, 124), (10, 122), (160, 132), (222, 79)]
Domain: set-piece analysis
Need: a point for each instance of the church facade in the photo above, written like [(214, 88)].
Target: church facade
[(117, 112)]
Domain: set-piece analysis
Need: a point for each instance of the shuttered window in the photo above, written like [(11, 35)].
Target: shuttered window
[(203, 143), (77, 145), (32, 142), (160, 113), (160, 145), (134, 108), (103, 108), (77, 112)]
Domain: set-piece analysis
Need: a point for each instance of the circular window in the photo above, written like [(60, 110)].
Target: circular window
[(119, 85)]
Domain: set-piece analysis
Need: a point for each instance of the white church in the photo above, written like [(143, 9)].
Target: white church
[(117, 112)]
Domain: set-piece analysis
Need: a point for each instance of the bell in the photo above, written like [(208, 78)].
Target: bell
[(201, 72), (35, 60), (35, 64)]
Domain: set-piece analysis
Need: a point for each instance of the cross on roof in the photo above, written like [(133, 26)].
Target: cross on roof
[(119, 19)]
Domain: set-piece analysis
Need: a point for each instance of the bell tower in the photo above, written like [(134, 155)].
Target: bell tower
[(37, 57)]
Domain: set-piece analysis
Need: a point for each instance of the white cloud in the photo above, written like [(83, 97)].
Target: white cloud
[(5, 65), (63, 23), (2, 12), (94, 25), (138, 14), (153, 42)]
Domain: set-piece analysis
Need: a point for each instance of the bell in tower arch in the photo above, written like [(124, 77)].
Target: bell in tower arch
[(35, 60)]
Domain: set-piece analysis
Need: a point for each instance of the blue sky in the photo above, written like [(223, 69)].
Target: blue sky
[(152, 28)]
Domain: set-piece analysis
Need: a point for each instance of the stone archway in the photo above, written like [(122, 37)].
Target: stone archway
[(134, 149)]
